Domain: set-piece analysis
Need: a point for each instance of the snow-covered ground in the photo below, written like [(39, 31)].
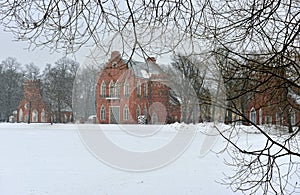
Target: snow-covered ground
[(52, 159)]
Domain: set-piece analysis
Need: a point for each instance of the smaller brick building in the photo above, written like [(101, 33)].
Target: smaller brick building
[(128, 89), (274, 103), (32, 108)]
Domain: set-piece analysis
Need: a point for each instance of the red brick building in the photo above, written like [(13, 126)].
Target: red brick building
[(274, 103), (32, 108), (128, 89)]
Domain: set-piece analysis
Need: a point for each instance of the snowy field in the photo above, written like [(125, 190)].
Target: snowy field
[(52, 159)]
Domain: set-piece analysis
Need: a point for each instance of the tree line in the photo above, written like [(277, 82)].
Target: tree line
[(56, 84), (249, 41)]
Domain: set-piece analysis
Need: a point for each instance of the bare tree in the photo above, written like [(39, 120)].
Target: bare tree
[(257, 37), (11, 87), (58, 86), (84, 91), (188, 81), (32, 72)]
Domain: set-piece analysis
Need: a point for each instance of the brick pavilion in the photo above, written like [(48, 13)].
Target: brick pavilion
[(128, 89)]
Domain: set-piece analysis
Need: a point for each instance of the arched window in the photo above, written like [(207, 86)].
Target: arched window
[(43, 116), (26, 118), (20, 115), (277, 118), (138, 111), (154, 118), (293, 117), (103, 89), (102, 113), (65, 118), (145, 111), (260, 116), (35, 116), (111, 89), (117, 89), (253, 115), (139, 88), (145, 89), (126, 89), (126, 113)]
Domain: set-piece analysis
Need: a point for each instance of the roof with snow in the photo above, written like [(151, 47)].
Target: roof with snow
[(144, 69), (295, 96)]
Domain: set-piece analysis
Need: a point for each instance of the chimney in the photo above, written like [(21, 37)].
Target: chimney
[(151, 59), (115, 55)]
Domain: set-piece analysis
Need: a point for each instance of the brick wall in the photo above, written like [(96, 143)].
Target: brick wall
[(154, 100), (32, 107)]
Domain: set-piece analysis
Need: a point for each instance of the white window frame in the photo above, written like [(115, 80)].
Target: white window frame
[(145, 111), (111, 89), (138, 111), (293, 117), (43, 116), (126, 89), (139, 88), (102, 113), (103, 89), (252, 115), (126, 113), (145, 89), (117, 89), (35, 116), (260, 116)]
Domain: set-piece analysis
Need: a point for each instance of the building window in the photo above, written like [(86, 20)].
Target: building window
[(43, 116), (26, 118), (260, 116), (103, 89), (145, 111), (277, 118), (268, 120), (293, 117), (126, 113), (253, 115), (117, 89), (139, 89), (114, 64), (138, 111), (145, 89), (126, 89), (21, 115), (102, 113), (35, 116), (154, 118), (111, 89)]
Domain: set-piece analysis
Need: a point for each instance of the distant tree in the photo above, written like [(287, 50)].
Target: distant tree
[(246, 30), (58, 85), (188, 77), (11, 87), (32, 72), (84, 99)]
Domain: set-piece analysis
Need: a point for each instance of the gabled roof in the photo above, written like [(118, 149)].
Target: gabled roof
[(147, 69), (294, 96), (144, 69)]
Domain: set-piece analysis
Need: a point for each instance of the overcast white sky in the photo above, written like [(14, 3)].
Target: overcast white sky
[(38, 56)]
